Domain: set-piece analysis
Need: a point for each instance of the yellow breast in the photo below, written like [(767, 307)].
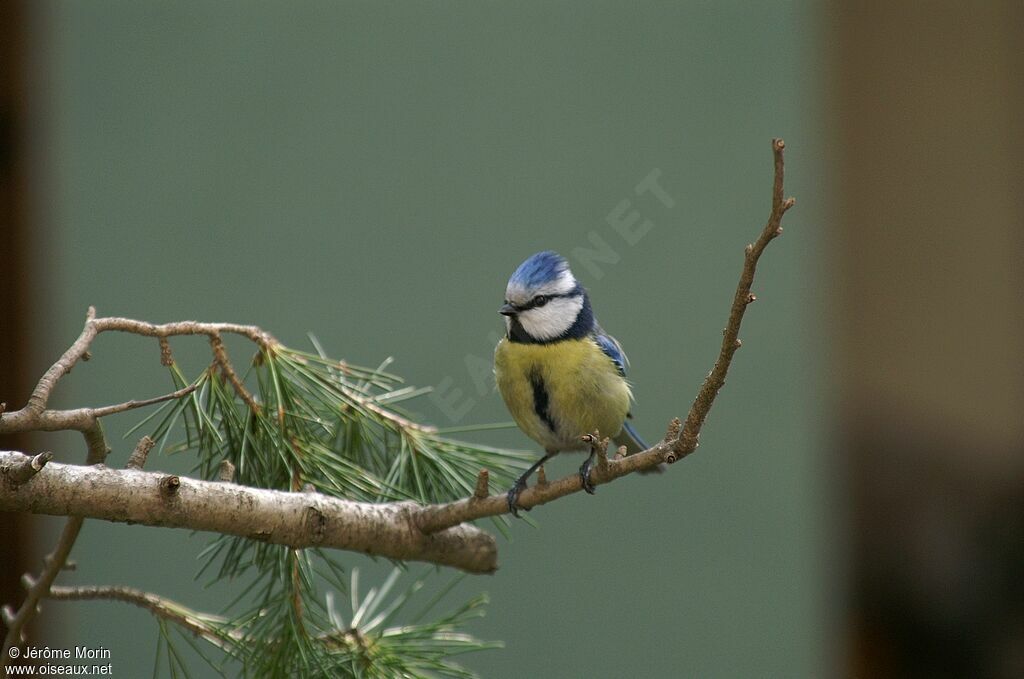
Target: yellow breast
[(558, 392)]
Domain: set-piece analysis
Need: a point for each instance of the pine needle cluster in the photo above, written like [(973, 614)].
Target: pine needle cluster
[(300, 421)]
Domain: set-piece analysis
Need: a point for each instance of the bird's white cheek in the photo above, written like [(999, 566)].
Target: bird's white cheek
[(550, 321)]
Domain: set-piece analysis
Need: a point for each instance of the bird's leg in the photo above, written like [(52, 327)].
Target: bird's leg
[(585, 471), (520, 485)]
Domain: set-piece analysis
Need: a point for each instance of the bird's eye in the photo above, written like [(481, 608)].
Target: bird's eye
[(540, 300)]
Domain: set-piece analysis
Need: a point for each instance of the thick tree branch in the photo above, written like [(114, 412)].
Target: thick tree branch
[(96, 443), (298, 519), (681, 439)]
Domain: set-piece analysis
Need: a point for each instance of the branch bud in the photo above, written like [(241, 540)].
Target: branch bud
[(166, 359), (25, 468), (226, 471), (170, 484), (137, 460), (482, 485)]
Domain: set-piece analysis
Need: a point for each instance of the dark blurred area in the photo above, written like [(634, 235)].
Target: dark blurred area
[(925, 119), (15, 292), (927, 107)]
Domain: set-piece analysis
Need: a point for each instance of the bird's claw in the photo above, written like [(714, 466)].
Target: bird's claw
[(585, 476), (513, 497)]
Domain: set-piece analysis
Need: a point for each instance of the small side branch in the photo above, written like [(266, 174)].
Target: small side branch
[(38, 587), (298, 520), (689, 438), (220, 355), (41, 394), (35, 417), (137, 460), (78, 419), (132, 405), (201, 624)]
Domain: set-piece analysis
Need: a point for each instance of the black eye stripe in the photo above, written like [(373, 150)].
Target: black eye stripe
[(541, 300)]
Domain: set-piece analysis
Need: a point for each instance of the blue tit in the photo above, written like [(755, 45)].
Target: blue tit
[(560, 375)]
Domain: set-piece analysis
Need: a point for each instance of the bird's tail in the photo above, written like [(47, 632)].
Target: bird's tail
[(634, 444)]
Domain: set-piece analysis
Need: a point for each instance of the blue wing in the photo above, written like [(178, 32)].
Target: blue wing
[(613, 350), (628, 436)]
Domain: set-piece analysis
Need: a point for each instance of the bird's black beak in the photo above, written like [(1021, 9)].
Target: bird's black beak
[(508, 310)]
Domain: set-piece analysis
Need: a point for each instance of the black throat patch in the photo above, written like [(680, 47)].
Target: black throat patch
[(540, 399)]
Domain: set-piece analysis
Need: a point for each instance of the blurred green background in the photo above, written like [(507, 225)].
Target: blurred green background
[(372, 173)]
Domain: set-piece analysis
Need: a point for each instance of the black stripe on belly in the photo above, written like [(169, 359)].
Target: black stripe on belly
[(540, 399)]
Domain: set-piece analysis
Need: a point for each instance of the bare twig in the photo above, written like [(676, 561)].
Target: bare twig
[(40, 586), (690, 435), (259, 336), (78, 419), (41, 394), (679, 440), (132, 405), (35, 417), (201, 624), (214, 628), (221, 357), (295, 519)]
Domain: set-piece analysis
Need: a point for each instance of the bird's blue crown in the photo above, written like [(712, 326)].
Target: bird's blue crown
[(539, 269)]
